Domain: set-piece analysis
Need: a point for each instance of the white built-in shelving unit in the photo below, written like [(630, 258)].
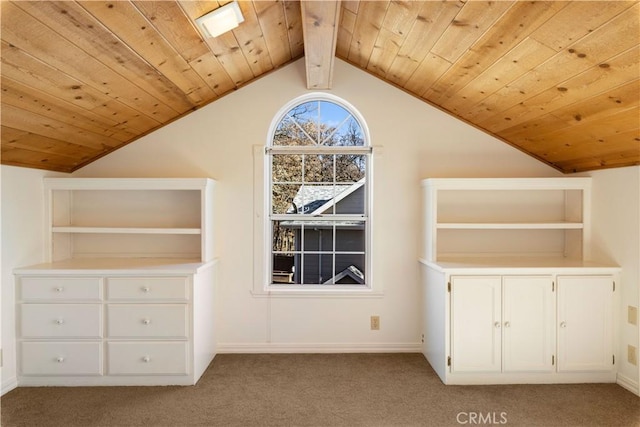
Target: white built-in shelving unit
[(501, 219), (92, 218), (125, 295), (511, 293)]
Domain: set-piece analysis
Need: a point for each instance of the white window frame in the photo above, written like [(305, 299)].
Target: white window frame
[(366, 150)]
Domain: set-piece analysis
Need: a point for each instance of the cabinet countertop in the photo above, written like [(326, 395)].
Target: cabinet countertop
[(113, 266), (502, 265)]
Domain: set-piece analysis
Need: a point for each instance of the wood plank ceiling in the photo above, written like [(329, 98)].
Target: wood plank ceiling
[(558, 80)]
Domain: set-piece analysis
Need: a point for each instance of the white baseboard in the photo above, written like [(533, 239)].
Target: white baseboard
[(628, 383), (9, 385), (318, 348)]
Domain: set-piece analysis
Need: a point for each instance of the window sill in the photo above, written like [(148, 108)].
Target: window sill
[(304, 291)]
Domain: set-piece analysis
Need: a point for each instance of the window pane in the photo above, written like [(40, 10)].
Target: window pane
[(350, 237), (326, 269), (353, 203), (313, 197), (318, 236), (350, 167), (306, 112), (349, 134), (284, 236), (318, 168), (306, 121), (286, 167), (283, 198), (350, 269), (283, 268), (318, 268), (290, 132)]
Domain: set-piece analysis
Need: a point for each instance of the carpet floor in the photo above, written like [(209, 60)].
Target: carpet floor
[(322, 390)]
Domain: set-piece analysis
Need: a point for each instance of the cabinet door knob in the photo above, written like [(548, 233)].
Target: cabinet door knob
[(507, 324), (59, 289), (497, 325), (145, 289), (60, 359), (59, 321), (146, 321), (563, 324), (146, 359)]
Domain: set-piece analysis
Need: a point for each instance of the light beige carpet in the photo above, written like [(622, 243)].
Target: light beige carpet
[(322, 390)]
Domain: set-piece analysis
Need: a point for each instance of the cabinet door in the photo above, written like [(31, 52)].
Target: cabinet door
[(475, 324), (585, 320), (528, 324)]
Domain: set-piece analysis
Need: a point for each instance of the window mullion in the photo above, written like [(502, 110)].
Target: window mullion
[(318, 125), (302, 256), (334, 184), (333, 255)]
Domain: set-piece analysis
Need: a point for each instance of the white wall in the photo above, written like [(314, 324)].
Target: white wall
[(616, 237)]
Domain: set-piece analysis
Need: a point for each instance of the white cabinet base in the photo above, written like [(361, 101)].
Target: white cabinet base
[(147, 324), (453, 323)]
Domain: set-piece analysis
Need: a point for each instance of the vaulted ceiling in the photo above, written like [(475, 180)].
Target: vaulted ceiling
[(558, 80)]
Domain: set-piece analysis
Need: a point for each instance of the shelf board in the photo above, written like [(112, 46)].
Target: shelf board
[(510, 225), (125, 230)]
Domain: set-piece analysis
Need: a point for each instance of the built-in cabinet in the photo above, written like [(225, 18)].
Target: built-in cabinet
[(502, 324), (126, 296), (585, 323), (509, 295)]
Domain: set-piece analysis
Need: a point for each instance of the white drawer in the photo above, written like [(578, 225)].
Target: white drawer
[(147, 320), (59, 288), (150, 358), (68, 358), (61, 320), (147, 288)]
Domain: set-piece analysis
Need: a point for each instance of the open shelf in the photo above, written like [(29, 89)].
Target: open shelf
[(129, 217), (506, 218)]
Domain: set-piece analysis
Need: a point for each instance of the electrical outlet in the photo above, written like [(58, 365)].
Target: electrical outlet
[(375, 323), (632, 315), (632, 355)]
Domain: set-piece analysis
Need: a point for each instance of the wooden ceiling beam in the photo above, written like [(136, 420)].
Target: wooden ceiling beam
[(320, 21)]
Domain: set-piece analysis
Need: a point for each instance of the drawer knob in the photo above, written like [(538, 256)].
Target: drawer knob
[(563, 324), (146, 359), (59, 289), (497, 325), (507, 324), (60, 321), (145, 289), (60, 359), (146, 321)]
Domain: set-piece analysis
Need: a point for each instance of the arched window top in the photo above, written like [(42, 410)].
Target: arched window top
[(319, 120)]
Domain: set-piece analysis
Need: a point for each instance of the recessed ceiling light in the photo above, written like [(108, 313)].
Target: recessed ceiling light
[(221, 20)]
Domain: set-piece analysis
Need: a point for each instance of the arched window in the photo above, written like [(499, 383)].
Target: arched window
[(319, 194)]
